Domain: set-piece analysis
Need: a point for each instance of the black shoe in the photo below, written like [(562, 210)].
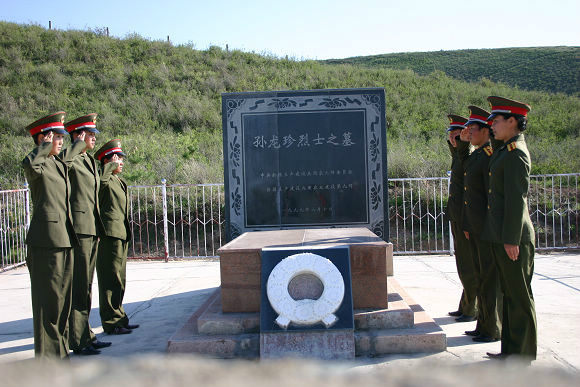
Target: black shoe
[(483, 339), (496, 356), (474, 332), (120, 331), (132, 326), (465, 318), (87, 351), (100, 344), (455, 314)]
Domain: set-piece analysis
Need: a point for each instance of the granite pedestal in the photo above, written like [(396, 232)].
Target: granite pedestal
[(240, 262), (385, 320)]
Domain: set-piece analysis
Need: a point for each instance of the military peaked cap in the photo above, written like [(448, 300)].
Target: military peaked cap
[(112, 147), (456, 122), (478, 115), (52, 122), (509, 106), (87, 123)]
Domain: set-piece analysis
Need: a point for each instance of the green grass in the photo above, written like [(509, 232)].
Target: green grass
[(550, 69), (164, 102)]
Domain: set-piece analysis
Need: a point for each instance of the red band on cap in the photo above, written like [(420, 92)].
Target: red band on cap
[(479, 118), (82, 125), (108, 152), (44, 127), (512, 109), (457, 123)]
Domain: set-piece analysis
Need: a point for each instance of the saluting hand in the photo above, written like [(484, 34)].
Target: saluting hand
[(82, 135), (115, 158), (452, 139), (48, 137), (513, 251), (464, 135)]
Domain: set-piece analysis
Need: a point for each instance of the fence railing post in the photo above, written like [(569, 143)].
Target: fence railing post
[(165, 232), (451, 246), (27, 205)]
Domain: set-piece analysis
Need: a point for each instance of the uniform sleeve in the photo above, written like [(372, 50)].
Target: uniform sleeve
[(451, 149), (107, 173), (465, 225), (69, 154), (35, 162), (516, 183), (463, 150)]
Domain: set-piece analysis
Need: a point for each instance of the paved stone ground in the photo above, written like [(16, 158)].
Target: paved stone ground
[(161, 296)]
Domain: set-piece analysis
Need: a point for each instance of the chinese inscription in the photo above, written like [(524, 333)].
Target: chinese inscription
[(308, 160)]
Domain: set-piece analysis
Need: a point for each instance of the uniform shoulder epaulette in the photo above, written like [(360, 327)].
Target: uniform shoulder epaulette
[(488, 150), (511, 146)]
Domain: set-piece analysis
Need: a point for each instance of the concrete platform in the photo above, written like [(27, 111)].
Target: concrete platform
[(403, 328), (163, 296)]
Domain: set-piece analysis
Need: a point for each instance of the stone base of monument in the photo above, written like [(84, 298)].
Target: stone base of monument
[(325, 345), (402, 328)]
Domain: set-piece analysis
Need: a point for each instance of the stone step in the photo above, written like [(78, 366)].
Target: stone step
[(398, 315), (424, 336), (189, 340), (214, 322)]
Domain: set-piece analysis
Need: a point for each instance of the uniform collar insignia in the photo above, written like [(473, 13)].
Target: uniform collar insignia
[(488, 150), (511, 146)]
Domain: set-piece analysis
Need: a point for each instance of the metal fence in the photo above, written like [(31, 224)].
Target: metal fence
[(187, 220), (176, 221), (14, 220), (417, 220)]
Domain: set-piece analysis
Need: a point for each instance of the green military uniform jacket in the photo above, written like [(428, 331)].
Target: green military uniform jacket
[(455, 202), (113, 202), (84, 174), (508, 219), (475, 189), (51, 224)]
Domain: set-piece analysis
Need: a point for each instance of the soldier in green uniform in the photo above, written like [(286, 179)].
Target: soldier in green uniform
[(488, 327), (84, 178), (459, 150), (112, 256), (50, 238), (509, 228)]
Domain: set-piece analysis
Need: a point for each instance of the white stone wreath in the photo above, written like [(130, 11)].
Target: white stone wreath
[(305, 312)]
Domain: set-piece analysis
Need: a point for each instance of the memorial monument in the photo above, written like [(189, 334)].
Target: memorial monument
[(305, 271), (305, 159)]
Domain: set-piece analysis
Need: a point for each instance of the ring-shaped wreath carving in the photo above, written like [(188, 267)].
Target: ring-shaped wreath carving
[(307, 311)]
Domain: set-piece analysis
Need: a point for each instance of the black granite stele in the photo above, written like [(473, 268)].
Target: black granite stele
[(305, 159), (339, 256)]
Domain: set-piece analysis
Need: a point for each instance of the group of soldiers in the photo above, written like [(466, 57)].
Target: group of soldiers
[(492, 230), (79, 222)]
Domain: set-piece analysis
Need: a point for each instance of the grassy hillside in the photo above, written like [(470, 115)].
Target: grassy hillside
[(164, 102), (551, 69)]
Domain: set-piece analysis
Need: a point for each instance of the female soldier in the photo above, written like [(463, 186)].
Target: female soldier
[(509, 227), (50, 238), (112, 255), (476, 167)]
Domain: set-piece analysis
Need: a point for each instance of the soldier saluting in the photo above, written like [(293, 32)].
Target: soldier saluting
[(50, 237), (509, 228), (467, 310), (474, 211), (84, 178), (112, 256)]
